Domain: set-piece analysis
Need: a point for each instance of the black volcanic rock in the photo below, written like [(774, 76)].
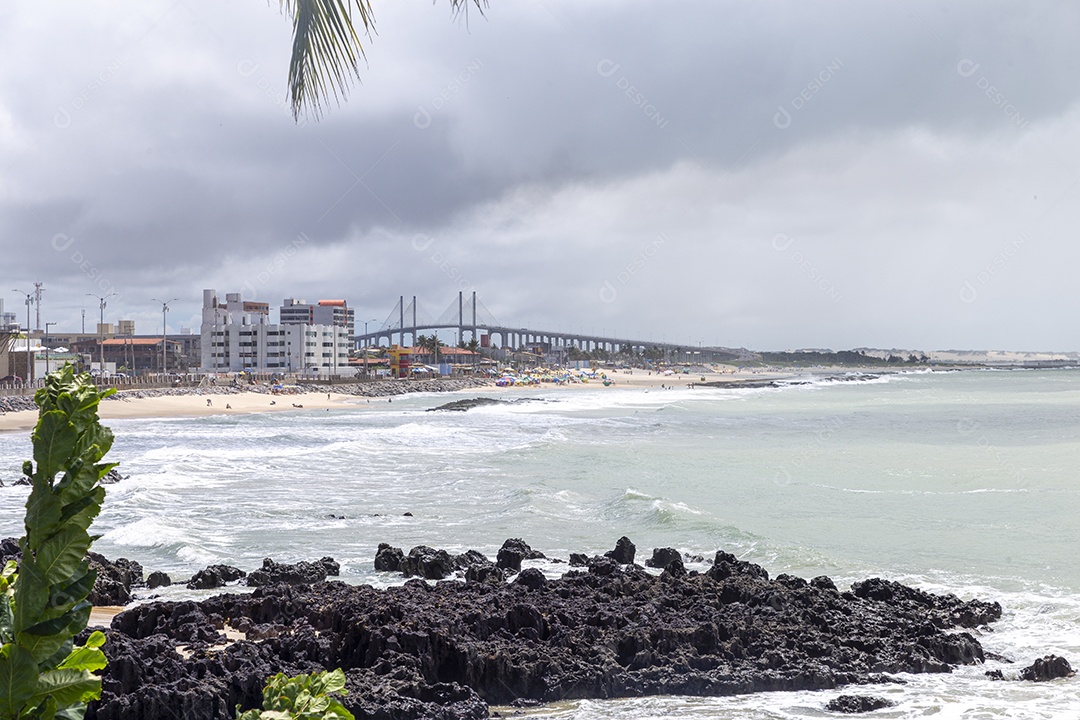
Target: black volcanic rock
[(115, 579), (662, 556), (485, 574), (949, 609), (451, 648), (531, 578), (468, 404), (471, 558), (330, 565), (513, 551), (9, 550), (823, 582), (624, 551), (726, 565), (1050, 667), (158, 579), (214, 576), (428, 563), (857, 704), (675, 568), (299, 573), (388, 559)]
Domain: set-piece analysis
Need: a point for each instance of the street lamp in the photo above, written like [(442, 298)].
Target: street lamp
[(45, 341), (164, 347), (367, 345), (101, 332), (29, 365)]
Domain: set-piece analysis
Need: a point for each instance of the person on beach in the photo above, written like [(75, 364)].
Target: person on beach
[(228, 406), (209, 402)]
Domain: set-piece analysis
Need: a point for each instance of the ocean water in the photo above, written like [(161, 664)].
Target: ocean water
[(964, 482)]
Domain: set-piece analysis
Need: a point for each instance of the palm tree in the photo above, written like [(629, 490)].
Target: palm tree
[(326, 47), (431, 343)]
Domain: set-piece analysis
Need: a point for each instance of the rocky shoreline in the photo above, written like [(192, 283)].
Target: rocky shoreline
[(502, 635)]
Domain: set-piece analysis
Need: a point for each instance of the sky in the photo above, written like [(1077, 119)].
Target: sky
[(769, 175)]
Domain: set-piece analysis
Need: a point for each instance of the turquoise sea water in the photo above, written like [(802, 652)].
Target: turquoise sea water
[(964, 482)]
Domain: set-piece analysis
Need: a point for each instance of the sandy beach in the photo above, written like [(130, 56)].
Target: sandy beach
[(196, 405)]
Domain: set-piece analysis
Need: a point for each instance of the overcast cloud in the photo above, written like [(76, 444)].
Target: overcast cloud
[(769, 174)]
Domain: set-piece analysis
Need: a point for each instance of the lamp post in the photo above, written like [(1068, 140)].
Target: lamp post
[(367, 345), (29, 364), (164, 347), (101, 332), (45, 341)]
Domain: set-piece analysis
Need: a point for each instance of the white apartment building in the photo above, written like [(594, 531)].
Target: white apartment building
[(325, 312), (8, 320), (237, 335)]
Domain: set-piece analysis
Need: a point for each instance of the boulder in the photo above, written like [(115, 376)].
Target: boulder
[(485, 574), (578, 559), (675, 568), (662, 556), (513, 551), (428, 563), (115, 579), (214, 576), (388, 559), (624, 551), (857, 704), (726, 565), (158, 579), (531, 578), (1049, 667), (301, 573)]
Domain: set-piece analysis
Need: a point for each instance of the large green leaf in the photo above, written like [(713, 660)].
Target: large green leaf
[(54, 440), (88, 656), (82, 511), (65, 596), (60, 555), (58, 657), (67, 686), (18, 679), (7, 619), (31, 594), (72, 712), (43, 511)]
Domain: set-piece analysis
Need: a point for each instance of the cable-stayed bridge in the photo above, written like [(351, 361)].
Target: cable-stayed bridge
[(471, 320)]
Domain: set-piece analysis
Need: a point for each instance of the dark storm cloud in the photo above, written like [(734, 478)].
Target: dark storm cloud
[(543, 149)]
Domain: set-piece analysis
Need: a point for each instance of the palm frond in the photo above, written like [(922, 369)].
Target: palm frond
[(326, 47)]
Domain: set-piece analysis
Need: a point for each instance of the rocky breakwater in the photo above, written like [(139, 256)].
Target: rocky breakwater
[(389, 388), (605, 629), (16, 403)]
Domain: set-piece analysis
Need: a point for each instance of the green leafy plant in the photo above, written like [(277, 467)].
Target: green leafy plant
[(43, 674), (304, 697)]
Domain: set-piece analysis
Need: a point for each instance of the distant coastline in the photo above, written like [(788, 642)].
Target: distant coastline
[(18, 412)]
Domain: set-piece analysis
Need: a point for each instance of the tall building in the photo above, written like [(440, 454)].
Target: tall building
[(8, 321), (325, 312), (238, 335)]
